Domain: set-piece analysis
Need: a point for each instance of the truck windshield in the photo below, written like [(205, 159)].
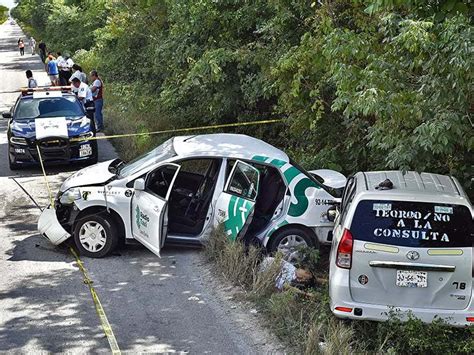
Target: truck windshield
[(48, 107), (160, 153), (413, 224)]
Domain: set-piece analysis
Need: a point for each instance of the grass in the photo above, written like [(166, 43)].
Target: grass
[(303, 320)]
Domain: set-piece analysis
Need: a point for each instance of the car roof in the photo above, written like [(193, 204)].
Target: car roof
[(226, 145), (411, 183)]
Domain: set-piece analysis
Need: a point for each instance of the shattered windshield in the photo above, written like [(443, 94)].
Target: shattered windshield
[(160, 153)]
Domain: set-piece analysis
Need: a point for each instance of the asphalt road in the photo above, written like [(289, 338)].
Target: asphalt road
[(153, 304)]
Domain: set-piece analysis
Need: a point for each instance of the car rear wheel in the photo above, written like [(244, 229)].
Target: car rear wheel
[(95, 236), (290, 241)]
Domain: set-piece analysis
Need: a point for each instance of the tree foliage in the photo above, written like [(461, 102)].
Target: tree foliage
[(3, 14), (381, 84)]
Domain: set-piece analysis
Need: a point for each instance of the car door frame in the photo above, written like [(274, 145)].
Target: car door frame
[(248, 218), (162, 216)]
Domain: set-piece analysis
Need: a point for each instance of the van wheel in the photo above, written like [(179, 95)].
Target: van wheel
[(95, 236), (290, 240)]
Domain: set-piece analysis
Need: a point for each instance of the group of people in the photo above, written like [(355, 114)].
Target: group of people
[(62, 71)]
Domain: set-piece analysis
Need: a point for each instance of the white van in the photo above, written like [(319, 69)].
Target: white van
[(403, 243)]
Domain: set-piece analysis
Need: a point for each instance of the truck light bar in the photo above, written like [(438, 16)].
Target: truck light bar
[(29, 91)]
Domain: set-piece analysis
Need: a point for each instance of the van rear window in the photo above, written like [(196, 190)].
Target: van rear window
[(413, 224)]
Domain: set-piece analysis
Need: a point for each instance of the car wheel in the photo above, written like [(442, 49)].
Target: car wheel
[(290, 240), (95, 236)]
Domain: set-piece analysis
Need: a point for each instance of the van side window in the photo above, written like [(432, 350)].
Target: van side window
[(349, 193)]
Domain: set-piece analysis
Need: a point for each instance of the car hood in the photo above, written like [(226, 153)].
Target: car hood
[(92, 175), (75, 126)]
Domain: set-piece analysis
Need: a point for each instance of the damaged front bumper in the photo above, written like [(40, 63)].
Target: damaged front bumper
[(49, 227)]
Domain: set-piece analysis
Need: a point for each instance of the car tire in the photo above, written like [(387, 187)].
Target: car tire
[(95, 236), (290, 239)]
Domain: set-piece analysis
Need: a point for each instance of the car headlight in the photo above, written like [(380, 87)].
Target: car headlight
[(69, 196), (18, 140), (87, 135)]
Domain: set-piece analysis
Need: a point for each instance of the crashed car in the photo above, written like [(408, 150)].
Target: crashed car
[(53, 119), (183, 188), (403, 243)]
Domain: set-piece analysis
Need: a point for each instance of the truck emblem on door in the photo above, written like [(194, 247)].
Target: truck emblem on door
[(413, 255)]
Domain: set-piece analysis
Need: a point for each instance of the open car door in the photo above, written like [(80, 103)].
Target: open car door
[(235, 205), (149, 206)]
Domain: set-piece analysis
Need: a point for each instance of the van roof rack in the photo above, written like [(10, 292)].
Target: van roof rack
[(30, 91)]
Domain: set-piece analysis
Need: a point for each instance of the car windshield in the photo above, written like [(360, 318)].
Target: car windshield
[(160, 153), (48, 107), (412, 224)]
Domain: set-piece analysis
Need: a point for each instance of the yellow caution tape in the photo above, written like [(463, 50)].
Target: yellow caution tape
[(179, 130), (109, 333)]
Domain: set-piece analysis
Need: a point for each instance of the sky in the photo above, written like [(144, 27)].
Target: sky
[(7, 3)]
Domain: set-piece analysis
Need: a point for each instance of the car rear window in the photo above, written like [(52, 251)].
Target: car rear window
[(413, 224)]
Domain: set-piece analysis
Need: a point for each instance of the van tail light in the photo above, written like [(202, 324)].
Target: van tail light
[(344, 250), (470, 319)]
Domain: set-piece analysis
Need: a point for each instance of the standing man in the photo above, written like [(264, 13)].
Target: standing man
[(32, 45), (53, 71), (84, 94), (97, 89), (31, 81), (42, 47), (61, 62)]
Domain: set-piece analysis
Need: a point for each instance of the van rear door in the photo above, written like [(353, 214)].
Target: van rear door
[(412, 254)]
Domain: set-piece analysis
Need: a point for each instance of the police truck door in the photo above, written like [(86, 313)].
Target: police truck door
[(236, 203), (149, 206)]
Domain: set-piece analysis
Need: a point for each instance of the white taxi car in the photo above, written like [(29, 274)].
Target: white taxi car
[(403, 243), (187, 185)]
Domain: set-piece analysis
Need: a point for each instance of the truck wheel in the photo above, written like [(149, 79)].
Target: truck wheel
[(288, 241), (95, 236)]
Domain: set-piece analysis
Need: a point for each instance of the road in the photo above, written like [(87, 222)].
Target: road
[(154, 305)]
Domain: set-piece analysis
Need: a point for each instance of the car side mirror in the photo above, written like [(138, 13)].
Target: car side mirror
[(6, 114), (331, 213), (139, 184)]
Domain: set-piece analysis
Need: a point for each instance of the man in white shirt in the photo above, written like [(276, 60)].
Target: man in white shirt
[(82, 90), (61, 62), (84, 94)]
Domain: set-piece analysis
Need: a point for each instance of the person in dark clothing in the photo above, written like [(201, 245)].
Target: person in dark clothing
[(21, 45), (42, 47)]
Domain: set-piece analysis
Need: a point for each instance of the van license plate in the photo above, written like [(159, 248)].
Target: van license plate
[(409, 278)]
